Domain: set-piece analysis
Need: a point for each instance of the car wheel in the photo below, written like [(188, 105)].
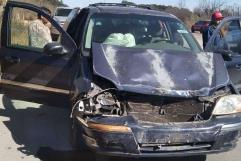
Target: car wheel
[(193, 30), (76, 139)]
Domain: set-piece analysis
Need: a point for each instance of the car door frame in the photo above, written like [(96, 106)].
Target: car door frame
[(210, 43), (212, 38), (12, 4), (6, 34)]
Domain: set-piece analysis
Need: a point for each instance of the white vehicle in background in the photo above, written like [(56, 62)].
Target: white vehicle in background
[(60, 15), (73, 14)]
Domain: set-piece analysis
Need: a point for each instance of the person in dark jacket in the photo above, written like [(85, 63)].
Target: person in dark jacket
[(215, 20)]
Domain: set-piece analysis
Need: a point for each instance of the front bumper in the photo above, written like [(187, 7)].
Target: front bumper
[(216, 135)]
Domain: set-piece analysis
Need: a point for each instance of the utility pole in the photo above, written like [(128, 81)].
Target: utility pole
[(182, 3)]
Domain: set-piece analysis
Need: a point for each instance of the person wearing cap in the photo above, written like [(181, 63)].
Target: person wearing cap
[(215, 20)]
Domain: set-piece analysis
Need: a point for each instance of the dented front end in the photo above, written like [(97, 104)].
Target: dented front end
[(121, 123), (145, 102)]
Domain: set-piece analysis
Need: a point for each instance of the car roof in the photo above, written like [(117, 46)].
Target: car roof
[(127, 10)]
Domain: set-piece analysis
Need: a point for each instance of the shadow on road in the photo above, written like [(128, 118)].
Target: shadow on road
[(33, 126), (44, 132)]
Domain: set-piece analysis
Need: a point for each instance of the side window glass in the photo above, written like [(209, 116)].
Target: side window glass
[(28, 30), (229, 38), (19, 26), (185, 43), (89, 34)]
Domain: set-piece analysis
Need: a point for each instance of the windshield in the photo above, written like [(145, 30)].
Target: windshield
[(63, 12), (140, 31)]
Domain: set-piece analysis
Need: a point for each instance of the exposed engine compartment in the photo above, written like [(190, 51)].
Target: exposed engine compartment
[(144, 108), (183, 111)]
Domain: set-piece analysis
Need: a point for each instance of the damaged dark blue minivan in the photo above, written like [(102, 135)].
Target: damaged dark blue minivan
[(139, 83)]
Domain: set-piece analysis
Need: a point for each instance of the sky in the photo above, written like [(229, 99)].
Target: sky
[(189, 3)]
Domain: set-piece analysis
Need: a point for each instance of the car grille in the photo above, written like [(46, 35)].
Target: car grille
[(150, 148), (184, 111)]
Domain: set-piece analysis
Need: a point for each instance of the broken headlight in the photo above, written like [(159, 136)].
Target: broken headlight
[(228, 105), (106, 99), (107, 102), (103, 103)]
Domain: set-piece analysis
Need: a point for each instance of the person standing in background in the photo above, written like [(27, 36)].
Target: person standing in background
[(39, 31), (215, 20)]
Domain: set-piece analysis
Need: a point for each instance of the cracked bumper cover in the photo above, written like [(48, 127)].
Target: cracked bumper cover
[(216, 135)]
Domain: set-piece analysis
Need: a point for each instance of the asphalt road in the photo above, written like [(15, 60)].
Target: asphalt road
[(33, 132)]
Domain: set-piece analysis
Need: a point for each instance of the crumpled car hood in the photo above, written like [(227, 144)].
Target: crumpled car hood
[(160, 72)]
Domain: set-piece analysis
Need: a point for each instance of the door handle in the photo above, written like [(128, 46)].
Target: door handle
[(12, 59)]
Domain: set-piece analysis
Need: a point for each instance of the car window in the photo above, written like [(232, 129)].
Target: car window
[(27, 31), (139, 31), (229, 38)]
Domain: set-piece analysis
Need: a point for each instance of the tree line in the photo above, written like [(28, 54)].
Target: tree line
[(202, 11)]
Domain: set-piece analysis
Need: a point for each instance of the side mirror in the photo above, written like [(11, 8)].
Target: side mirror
[(54, 49), (227, 54)]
